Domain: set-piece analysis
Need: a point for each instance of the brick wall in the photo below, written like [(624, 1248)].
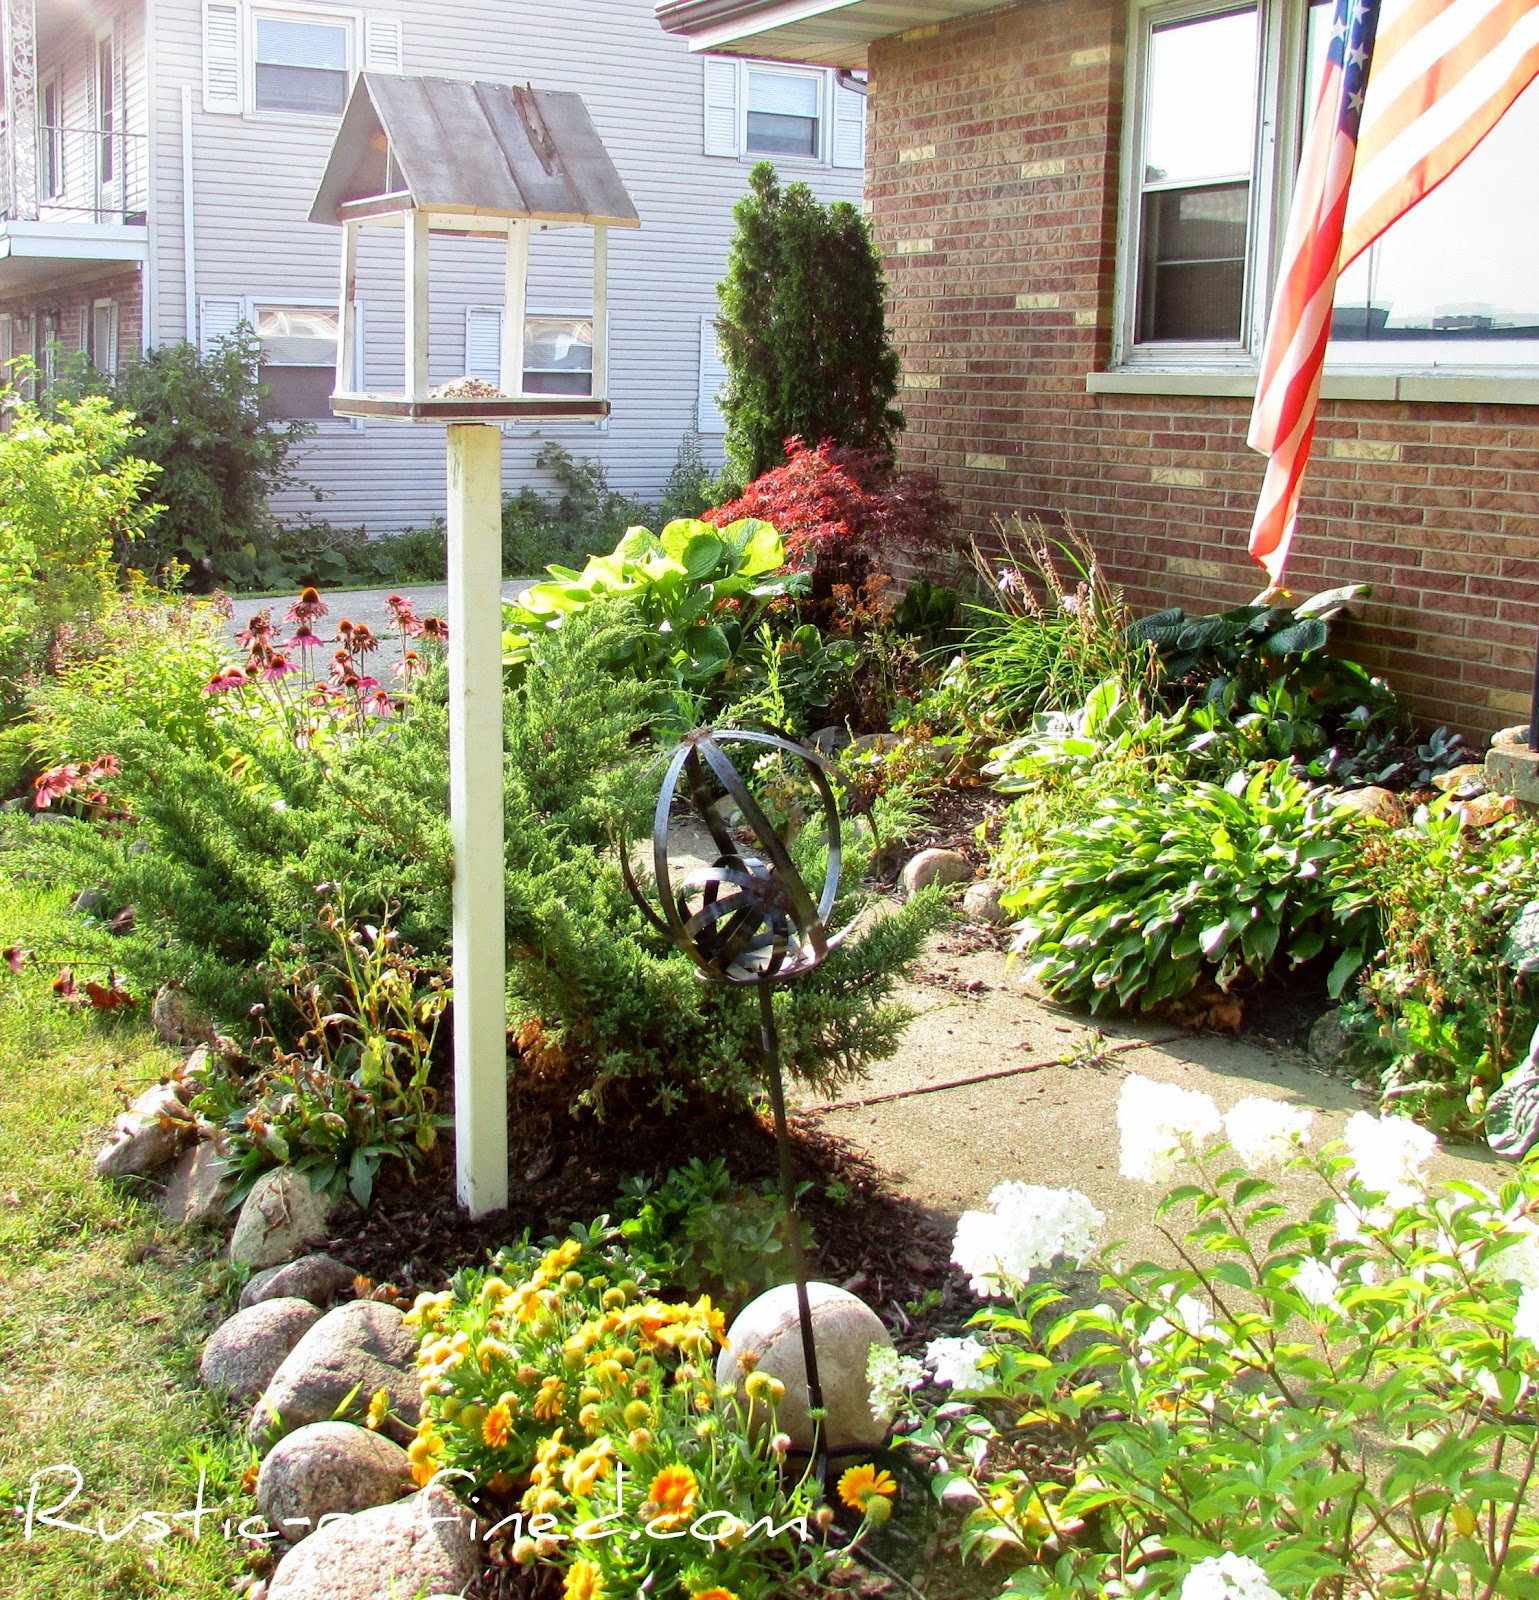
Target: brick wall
[(994, 156), (70, 301)]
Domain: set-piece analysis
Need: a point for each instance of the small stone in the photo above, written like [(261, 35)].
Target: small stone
[(89, 902), (192, 1076), (242, 1355), (1328, 1040), (935, 866), (327, 1469), (1466, 781), (345, 1358), (844, 1329), (423, 1545), (147, 1135), (320, 1279), (175, 1020), (981, 902), (829, 741), (1371, 801), (280, 1217), (198, 1187)]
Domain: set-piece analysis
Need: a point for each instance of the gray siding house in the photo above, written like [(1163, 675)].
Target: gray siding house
[(158, 159)]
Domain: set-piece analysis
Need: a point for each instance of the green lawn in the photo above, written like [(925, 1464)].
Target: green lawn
[(103, 1310)]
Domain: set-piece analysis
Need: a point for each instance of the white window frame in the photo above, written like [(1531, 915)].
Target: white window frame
[(109, 143), (349, 20), (1280, 124), (110, 306), (251, 316), (822, 77), (50, 139), (575, 313)]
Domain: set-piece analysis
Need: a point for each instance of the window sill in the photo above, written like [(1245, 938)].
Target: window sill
[(1446, 388)]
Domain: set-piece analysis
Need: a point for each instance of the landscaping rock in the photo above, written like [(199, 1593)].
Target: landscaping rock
[(423, 1545), (280, 1217), (325, 1469), (1327, 1039), (981, 902), (1512, 768), (1372, 801), (198, 1187), (844, 1327), (175, 1020), (147, 1135), (829, 741), (320, 1279), (935, 866), (353, 1351), (244, 1353)]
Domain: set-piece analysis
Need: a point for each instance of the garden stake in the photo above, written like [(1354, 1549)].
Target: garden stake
[(749, 919)]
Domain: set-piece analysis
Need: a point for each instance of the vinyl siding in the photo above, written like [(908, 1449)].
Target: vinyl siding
[(254, 177)]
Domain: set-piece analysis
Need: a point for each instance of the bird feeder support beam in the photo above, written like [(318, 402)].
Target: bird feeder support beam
[(600, 312), (416, 234), (514, 304), (347, 312)]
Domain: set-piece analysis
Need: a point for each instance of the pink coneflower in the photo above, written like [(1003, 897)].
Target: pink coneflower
[(363, 640), (308, 606), (435, 628), (402, 613), (305, 638), (409, 666), (257, 630), (223, 682), (379, 702), (277, 668), (345, 630)]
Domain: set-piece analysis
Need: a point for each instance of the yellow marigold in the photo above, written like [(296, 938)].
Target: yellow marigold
[(713, 1594), (673, 1492), (556, 1261), (584, 1581), (423, 1455), (587, 1467), (379, 1408), (498, 1427), (549, 1451), (494, 1291), (764, 1386), (859, 1486), (590, 1419), (548, 1403), (490, 1350), (637, 1414)]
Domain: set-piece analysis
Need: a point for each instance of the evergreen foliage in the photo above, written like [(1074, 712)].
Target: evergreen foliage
[(802, 329)]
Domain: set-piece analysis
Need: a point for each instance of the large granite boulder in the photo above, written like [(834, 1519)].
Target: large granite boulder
[(320, 1279), (280, 1219), (328, 1469), (241, 1357), (147, 1135)]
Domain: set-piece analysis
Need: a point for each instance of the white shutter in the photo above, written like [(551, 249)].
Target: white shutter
[(221, 57), (713, 374), (382, 45), (483, 343), (721, 114), (849, 141), (219, 315)]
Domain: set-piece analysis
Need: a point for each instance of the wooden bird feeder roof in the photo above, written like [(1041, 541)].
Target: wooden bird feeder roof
[(457, 149)]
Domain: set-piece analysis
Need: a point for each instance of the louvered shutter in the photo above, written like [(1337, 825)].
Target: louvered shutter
[(721, 107), (849, 141), (713, 374), (221, 57), (382, 45), (219, 315), (483, 343)]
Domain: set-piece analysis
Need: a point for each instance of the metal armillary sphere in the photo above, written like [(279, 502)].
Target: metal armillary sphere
[(748, 919)]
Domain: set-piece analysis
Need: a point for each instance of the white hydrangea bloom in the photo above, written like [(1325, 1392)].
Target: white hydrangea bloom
[(1317, 1281), (1390, 1156), (955, 1362), (1188, 1315), (890, 1378), (1158, 1123), (1228, 1577), (1027, 1227), (1525, 1320), (1266, 1133), (1518, 1260)]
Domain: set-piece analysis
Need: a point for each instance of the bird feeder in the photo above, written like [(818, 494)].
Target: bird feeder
[(426, 156)]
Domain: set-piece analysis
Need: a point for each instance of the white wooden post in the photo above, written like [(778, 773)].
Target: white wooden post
[(600, 312), (414, 225), (347, 311), (475, 808), (515, 300)]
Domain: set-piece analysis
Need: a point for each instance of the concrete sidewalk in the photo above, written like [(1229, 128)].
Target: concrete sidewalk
[(362, 605)]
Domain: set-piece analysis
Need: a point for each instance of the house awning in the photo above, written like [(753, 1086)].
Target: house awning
[(832, 33), (470, 149)]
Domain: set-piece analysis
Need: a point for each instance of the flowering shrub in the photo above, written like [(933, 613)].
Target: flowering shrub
[(583, 1414), (842, 512), (1344, 1404)]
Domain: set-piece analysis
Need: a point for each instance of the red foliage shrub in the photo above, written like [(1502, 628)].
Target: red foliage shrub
[(845, 513)]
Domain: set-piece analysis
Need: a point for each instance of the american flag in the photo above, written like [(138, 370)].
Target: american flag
[(1443, 72), (1293, 357)]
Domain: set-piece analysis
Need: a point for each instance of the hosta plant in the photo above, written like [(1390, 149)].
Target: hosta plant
[(1304, 1403), (1161, 888)]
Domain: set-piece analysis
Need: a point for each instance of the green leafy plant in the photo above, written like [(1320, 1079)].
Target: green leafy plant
[(802, 329), (1338, 1401), (1158, 889)]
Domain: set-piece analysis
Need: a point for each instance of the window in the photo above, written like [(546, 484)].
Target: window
[(784, 112), (1218, 99), (300, 64), (103, 346), (299, 359), (558, 350), (50, 153), (106, 109)]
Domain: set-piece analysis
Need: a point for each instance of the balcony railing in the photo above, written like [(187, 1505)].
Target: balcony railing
[(83, 175)]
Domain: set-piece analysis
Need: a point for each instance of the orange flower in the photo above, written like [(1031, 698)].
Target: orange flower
[(584, 1581), (673, 1492), (497, 1428), (713, 1594), (551, 1399), (860, 1486)]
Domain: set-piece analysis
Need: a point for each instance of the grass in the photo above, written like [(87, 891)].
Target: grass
[(103, 1310)]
